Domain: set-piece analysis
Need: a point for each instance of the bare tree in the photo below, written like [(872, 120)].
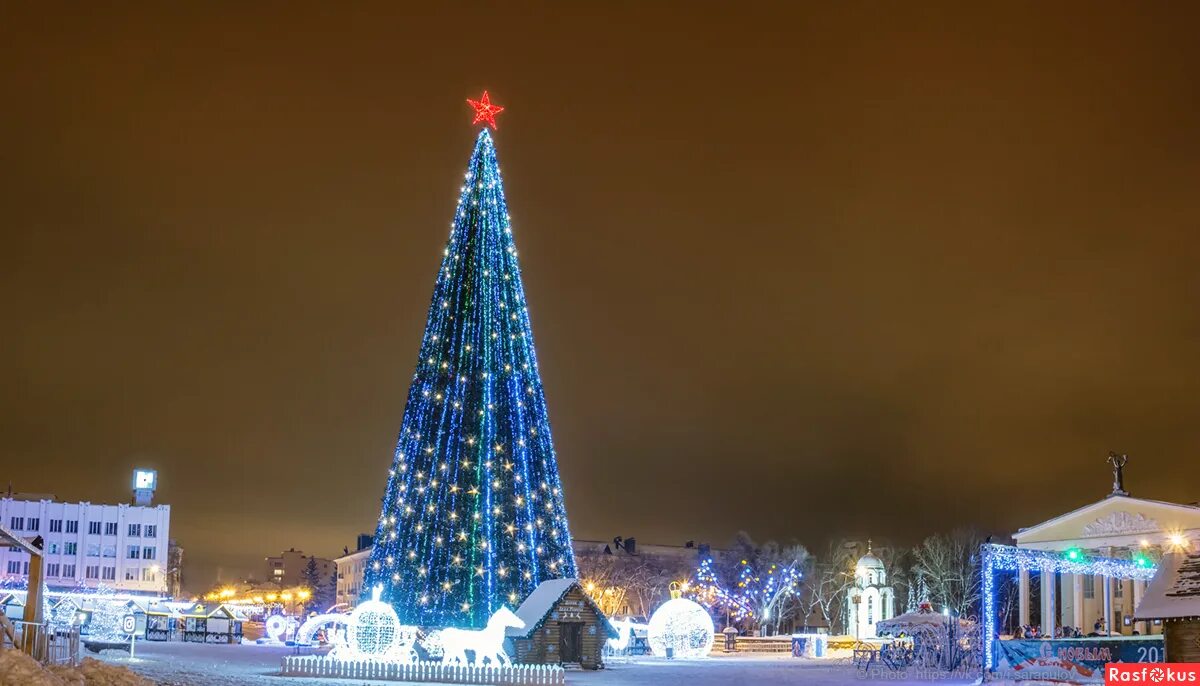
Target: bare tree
[(826, 583), (623, 584), (768, 578), (948, 565), (899, 565), (775, 581)]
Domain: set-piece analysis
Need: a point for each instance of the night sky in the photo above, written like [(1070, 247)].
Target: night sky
[(805, 270)]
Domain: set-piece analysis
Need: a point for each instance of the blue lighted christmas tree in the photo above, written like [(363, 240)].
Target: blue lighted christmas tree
[(473, 515)]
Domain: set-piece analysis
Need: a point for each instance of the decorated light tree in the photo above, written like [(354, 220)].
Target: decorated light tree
[(757, 594), (473, 515)]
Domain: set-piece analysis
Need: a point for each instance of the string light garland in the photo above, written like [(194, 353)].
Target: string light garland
[(755, 594), (708, 590), (1004, 558), (473, 516)]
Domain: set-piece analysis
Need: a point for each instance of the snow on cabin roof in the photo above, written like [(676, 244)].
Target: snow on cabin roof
[(543, 599), (209, 610), (1174, 592), (910, 620), (539, 603)]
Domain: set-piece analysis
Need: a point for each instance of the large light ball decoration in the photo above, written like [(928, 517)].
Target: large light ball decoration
[(683, 626), (373, 629), (277, 626)]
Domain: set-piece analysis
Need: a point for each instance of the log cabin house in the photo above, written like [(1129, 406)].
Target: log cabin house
[(562, 627)]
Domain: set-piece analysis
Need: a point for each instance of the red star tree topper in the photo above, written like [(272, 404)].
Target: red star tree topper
[(485, 111)]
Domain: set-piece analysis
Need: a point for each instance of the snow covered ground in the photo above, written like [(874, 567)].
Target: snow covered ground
[(193, 664)]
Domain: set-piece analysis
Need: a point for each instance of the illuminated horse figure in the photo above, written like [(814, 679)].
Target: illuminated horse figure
[(626, 629), (487, 643)]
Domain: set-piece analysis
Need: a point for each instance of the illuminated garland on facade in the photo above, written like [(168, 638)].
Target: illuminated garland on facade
[(1004, 558), (473, 515)]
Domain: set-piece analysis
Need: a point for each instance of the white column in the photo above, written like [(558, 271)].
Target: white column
[(1077, 601), (1023, 595), (1139, 588), (1107, 604), (1048, 604)]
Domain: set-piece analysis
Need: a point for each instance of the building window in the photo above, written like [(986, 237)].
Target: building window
[(72, 526), (93, 528), (870, 610), (16, 523), (148, 553), (70, 548), (34, 522), (53, 548), (133, 552), (1118, 588), (68, 571), (151, 531), (91, 572), (110, 573), (131, 573), (52, 569), (148, 574), (93, 550), (14, 566), (110, 551), (56, 526), (135, 530), (1089, 586), (110, 528)]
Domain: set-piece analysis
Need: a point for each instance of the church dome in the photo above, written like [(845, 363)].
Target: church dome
[(869, 561), (869, 570)]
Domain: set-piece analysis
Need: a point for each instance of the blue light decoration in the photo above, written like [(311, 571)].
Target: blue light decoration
[(473, 516), (756, 592), (1005, 558), (707, 589)]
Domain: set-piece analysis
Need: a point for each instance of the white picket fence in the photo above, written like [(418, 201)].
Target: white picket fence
[(436, 672)]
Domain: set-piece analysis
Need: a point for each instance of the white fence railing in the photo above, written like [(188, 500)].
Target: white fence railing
[(44, 643), (434, 672)]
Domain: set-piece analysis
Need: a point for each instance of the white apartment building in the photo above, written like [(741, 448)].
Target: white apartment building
[(123, 547), (350, 569)]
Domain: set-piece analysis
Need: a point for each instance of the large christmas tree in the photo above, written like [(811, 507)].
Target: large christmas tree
[(473, 515)]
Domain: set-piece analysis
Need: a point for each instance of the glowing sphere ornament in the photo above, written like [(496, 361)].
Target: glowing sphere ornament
[(277, 627), (682, 626), (373, 629)]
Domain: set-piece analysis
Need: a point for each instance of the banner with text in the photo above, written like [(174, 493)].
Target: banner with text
[(1080, 660)]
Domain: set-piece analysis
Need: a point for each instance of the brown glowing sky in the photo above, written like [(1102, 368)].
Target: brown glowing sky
[(813, 270)]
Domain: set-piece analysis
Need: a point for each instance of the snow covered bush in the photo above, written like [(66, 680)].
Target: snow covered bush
[(18, 669)]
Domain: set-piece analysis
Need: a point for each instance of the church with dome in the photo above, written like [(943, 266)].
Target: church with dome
[(871, 599)]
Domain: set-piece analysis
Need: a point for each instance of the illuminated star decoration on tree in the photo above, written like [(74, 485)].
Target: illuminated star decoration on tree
[(485, 111)]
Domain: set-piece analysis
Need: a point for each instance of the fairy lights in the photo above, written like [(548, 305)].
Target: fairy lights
[(1004, 558), (755, 594), (464, 526)]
